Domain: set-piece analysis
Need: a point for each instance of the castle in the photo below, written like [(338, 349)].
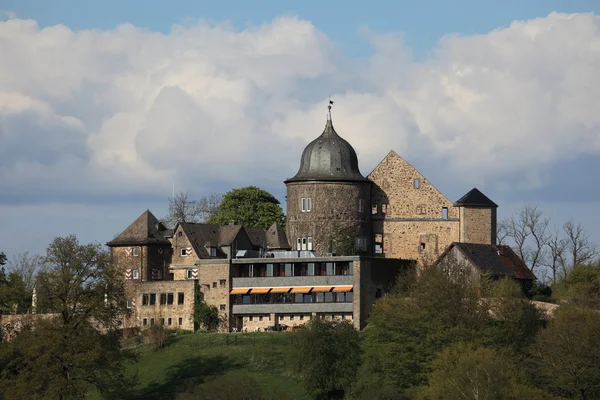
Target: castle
[(394, 217)]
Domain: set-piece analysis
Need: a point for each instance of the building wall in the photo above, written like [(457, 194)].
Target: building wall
[(180, 241), (185, 311), (478, 225), (211, 272), (153, 257), (405, 216), (334, 204)]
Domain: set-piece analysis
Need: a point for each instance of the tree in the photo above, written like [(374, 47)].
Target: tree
[(565, 359), (528, 229), (183, 209), (249, 206), (341, 240), (14, 297), (205, 315), (557, 248), (26, 266), (326, 354), (581, 286), (2, 258), (63, 355), (579, 247), (465, 371)]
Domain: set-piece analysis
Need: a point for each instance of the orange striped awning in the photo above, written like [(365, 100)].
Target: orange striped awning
[(240, 291), (342, 288), (322, 288), (260, 290), (280, 290), (301, 289)]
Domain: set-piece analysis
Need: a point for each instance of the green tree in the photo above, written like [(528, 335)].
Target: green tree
[(464, 371), (205, 315), (566, 358), (327, 355), (14, 296), (341, 240), (63, 355), (580, 286), (2, 258), (249, 206)]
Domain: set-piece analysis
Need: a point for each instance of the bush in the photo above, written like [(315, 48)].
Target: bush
[(156, 335)]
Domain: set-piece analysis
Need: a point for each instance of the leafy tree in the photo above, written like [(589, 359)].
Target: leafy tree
[(2, 258), (205, 315), (566, 357), (327, 355), (249, 206), (14, 296), (78, 347), (581, 286), (341, 240), (464, 371)]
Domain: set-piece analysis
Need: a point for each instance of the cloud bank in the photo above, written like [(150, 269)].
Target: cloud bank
[(107, 115)]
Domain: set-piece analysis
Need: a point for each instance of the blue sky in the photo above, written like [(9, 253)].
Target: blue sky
[(98, 120)]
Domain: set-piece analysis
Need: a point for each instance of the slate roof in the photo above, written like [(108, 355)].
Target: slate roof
[(475, 198), (329, 157), (276, 238), (145, 230), (202, 236), (257, 236), (496, 260)]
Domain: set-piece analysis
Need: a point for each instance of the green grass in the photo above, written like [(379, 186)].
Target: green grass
[(189, 360)]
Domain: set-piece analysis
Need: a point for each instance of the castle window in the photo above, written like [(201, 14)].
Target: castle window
[(145, 321), (384, 208), (260, 318), (375, 208), (152, 299), (303, 243), (180, 321), (169, 321), (222, 282), (360, 243), (306, 204), (422, 248), (361, 205), (145, 299), (180, 298), (135, 251), (189, 274), (180, 234), (183, 252), (163, 299), (417, 183), (136, 274), (222, 307), (309, 243), (444, 212), (169, 299)]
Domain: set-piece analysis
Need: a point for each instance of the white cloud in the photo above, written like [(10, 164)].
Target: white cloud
[(127, 111)]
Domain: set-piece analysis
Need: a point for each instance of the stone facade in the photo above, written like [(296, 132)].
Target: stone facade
[(151, 261), (173, 304), (215, 282), (411, 218), (477, 225), (334, 205)]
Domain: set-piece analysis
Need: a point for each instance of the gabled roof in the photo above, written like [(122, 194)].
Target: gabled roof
[(277, 239), (257, 236), (497, 260), (146, 229), (475, 198)]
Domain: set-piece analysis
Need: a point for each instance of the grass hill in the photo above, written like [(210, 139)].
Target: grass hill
[(204, 364)]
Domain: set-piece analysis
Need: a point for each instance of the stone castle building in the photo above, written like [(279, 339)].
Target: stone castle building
[(389, 220)]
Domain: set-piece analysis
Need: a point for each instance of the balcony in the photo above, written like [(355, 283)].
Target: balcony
[(292, 308), (274, 281)]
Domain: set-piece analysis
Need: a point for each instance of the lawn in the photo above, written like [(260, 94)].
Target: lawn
[(192, 359)]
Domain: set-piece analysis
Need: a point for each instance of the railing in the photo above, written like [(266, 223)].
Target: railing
[(275, 281)]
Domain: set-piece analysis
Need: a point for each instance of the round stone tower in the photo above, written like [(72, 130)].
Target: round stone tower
[(328, 200)]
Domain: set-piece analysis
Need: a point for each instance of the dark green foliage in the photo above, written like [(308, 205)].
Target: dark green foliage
[(14, 296), (566, 358), (409, 328), (2, 258), (205, 316), (464, 371), (225, 388), (326, 356), (62, 356), (249, 206), (581, 286), (341, 240)]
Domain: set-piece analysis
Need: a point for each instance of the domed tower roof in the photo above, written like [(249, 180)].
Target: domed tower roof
[(328, 158)]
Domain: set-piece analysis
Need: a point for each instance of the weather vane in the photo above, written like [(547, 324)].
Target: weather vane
[(329, 107)]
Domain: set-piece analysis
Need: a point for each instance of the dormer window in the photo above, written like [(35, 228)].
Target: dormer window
[(417, 183), (213, 251), (306, 204)]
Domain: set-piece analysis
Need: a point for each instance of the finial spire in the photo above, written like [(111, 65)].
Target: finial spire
[(329, 109)]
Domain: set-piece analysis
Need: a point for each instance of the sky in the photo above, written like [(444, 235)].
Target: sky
[(105, 105)]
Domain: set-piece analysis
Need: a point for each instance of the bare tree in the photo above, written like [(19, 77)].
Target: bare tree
[(26, 266), (557, 248), (580, 249), (528, 229), (183, 209), (501, 233)]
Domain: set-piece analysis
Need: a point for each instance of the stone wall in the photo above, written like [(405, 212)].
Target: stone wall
[(154, 257), (406, 215), (334, 205), (180, 241), (478, 225), (156, 312), (215, 282)]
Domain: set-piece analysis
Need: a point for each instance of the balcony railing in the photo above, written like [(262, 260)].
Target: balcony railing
[(274, 281)]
